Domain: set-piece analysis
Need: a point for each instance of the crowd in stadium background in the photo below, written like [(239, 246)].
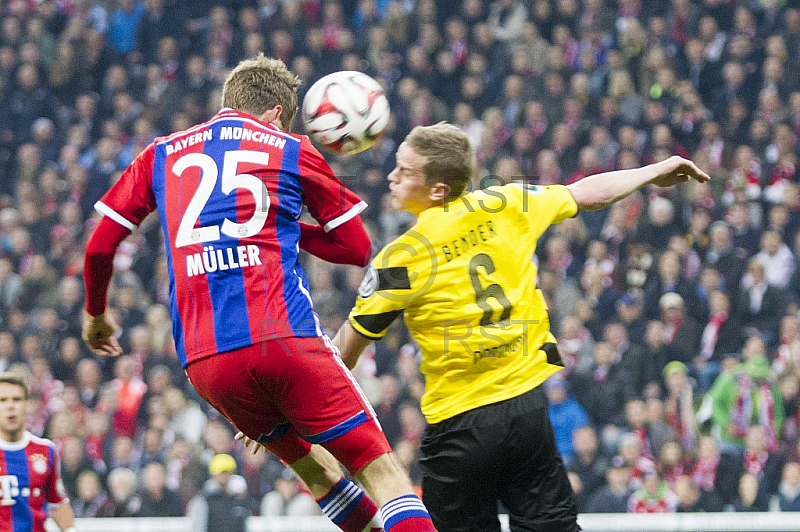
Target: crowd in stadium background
[(676, 311)]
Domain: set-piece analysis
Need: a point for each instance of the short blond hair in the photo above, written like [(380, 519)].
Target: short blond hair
[(449, 155), (15, 379), (257, 85)]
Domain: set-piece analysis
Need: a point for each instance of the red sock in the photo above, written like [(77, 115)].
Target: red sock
[(350, 508), (406, 514)]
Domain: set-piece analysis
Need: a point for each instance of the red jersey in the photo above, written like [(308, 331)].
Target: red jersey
[(229, 194), (29, 478)]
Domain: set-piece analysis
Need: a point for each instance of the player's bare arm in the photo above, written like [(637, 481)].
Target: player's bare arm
[(350, 344), (601, 190)]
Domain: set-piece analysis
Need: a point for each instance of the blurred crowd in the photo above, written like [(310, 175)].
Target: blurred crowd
[(676, 311)]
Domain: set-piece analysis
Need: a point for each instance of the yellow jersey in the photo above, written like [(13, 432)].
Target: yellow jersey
[(465, 279)]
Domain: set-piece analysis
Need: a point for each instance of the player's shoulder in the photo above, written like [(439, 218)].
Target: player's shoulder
[(42, 442), (493, 198), (414, 245), (28, 441)]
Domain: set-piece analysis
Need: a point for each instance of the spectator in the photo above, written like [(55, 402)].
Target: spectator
[(653, 497), (679, 404), (130, 389), (706, 468), (747, 499), (221, 505), (92, 499), (186, 417), (757, 460), (721, 335), (604, 388), (681, 332), (789, 489), (760, 304), (88, 381), (614, 496), (729, 261), (287, 499), (693, 499), (157, 499), (652, 433), (670, 463), (587, 463), (124, 20), (745, 397), (777, 259), (74, 462), (507, 20), (626, 353), (630, 449), (655, 355), (122, 486), (566, 415)]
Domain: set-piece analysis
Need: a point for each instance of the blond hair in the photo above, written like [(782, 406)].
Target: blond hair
[(257, 85), (449, 155), (14, 379)]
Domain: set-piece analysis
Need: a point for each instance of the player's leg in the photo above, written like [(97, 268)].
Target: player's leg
[(337, 416), (535, 489), (460, 460), (341, 501), (401, 509), (227, 383)]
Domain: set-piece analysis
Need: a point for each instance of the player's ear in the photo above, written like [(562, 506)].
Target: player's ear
[(272, 115), (439, 192)]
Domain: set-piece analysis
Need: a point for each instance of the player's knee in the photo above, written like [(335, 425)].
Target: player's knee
[(385, 468), (317, 467)]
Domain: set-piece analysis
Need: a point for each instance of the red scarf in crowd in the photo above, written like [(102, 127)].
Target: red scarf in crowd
[(711, 334), (742, 414), (704, 473), (754, 463)]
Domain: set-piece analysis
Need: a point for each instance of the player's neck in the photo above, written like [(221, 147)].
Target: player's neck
[(11, 436)]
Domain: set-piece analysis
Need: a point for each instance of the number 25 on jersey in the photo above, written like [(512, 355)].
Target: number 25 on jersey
[(188, 233)]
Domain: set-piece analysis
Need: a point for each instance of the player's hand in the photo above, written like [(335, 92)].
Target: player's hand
[(247, 441), (100, 334), (678, 170)]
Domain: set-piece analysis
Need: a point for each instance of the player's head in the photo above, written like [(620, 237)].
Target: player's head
[(259, 85), (448, 156), (13, 402), (434, 166)]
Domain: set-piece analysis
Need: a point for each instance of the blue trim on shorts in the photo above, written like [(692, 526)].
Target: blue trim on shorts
[(339, 430)]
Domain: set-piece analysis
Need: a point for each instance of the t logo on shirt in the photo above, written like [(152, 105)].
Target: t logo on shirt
[(9, 489)]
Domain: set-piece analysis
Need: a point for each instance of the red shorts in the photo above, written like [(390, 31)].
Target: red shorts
[(289, 393)]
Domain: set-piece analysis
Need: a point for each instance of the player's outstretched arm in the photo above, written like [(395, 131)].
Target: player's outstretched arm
[(350, 344), (99, 331), (348, 243), (601, 190)]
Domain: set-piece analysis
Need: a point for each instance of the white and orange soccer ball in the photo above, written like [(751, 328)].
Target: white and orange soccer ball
[(345, 112)]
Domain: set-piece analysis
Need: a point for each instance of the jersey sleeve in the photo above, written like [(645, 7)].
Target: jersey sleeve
[(54, 491), (131, 198), (328, 200), (545, 205), (396, 277)]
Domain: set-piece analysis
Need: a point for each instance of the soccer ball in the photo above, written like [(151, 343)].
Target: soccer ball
[(346, 112)]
